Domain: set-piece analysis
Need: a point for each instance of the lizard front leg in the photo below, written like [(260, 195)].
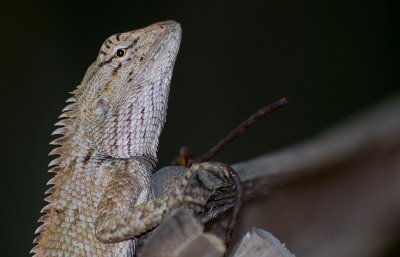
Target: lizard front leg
[(115, 223)]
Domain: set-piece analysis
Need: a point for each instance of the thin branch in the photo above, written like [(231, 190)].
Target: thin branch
[(234, 134)]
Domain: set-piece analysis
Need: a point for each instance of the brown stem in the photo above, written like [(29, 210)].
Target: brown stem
[(240, 129)]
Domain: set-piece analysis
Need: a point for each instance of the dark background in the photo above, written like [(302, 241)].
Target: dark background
[(330, 58)]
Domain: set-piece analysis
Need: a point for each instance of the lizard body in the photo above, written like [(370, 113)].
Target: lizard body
[(109, 137)]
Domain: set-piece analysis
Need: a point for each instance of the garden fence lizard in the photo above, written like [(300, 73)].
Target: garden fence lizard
[(101, 197)]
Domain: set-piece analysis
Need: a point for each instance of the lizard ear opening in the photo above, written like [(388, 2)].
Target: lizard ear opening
[(102, 108)]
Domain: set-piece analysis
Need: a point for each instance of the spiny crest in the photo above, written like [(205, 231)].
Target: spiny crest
[(66, 125)]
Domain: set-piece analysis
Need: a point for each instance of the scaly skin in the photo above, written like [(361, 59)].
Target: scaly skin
[(108, 147)]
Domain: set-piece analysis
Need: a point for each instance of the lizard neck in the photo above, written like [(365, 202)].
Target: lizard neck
[(80, 150)]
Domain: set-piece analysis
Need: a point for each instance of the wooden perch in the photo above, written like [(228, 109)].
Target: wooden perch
[(260, 243), (367, 146), (182, 235), (377, 131)]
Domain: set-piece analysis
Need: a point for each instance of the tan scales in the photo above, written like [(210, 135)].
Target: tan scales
[(108, 147)]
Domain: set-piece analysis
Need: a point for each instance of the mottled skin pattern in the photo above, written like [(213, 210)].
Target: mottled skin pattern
[(108, 147)]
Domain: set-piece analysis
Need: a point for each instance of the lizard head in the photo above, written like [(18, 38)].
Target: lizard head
[(122, 100)]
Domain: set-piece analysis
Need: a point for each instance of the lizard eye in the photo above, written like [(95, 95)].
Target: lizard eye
[(120, 53)]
